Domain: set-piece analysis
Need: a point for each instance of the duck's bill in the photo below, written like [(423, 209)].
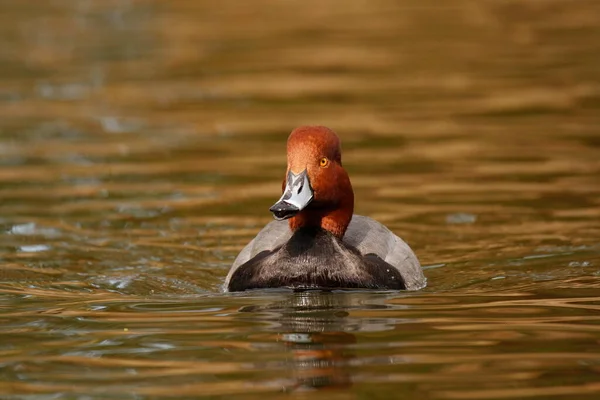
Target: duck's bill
[(297, 195)]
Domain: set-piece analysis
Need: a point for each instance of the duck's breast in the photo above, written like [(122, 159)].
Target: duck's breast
[(365, 234)]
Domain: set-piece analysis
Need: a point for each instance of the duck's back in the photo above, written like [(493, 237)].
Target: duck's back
[(365, 234)]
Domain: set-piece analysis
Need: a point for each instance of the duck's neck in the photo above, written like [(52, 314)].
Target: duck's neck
[(334, 219)]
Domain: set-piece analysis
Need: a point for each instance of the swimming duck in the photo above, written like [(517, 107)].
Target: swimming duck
[(316, 242)]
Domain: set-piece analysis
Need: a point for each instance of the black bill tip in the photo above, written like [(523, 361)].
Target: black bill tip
[(282, 210)]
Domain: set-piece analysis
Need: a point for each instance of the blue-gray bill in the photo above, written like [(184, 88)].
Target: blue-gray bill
[(297, 195)]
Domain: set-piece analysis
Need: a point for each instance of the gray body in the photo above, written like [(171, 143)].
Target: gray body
[(363, 233)]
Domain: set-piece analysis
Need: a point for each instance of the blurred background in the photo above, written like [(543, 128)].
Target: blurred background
[(142, 142)]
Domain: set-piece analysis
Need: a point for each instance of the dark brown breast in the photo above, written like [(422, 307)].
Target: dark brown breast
[(315, 259)]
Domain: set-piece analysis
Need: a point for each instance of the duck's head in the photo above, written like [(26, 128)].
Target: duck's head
[(316, 190)]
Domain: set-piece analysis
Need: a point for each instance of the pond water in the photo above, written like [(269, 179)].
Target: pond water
[(142, 142)]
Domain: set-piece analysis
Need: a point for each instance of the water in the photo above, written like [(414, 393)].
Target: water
[(142, 142)]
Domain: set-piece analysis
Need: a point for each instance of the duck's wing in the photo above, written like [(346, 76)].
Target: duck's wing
[(272, 236), (371, 237)]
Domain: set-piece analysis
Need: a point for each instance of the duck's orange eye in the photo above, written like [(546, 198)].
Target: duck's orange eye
[(324, 162)]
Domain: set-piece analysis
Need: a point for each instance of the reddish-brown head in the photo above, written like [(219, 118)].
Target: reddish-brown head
[(317, 191)]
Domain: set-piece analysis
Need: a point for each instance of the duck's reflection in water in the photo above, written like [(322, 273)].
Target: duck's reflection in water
[(320, 360), (317, 327)]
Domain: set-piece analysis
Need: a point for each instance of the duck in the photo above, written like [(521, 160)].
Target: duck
[(316, 241)]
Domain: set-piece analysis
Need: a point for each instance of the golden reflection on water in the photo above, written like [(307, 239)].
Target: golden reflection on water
[(141, 143), (337, 340)]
